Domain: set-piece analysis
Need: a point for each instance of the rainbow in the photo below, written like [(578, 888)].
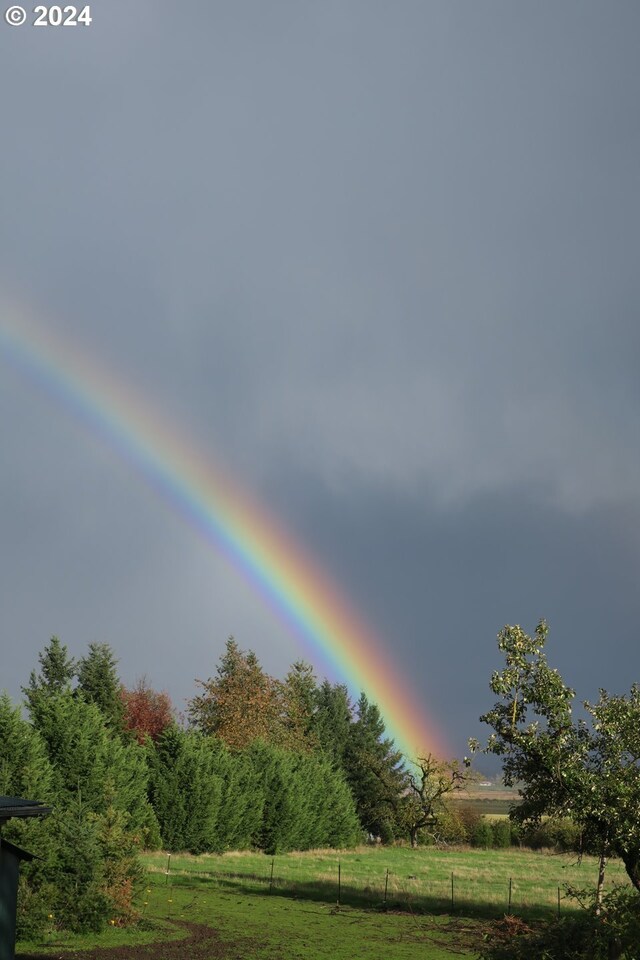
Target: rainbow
[(275, 565)]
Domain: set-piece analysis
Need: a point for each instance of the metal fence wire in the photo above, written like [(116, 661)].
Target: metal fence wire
[(453, 892)]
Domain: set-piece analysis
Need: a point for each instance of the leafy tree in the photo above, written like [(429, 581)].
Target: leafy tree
[(146, 712), (430, 782), (454, 824), (586, 770), (331, 818), (501, 833), (342, 826), (98, 682), (241, 704)]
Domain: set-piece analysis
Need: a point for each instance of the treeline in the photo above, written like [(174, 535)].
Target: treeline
[(208, 798), (259, 763), (462, 824), (242, 705)]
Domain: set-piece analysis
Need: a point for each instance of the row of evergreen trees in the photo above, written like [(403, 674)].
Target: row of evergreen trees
[(207, 797), (267, 764), (243, 704), (96, 784)]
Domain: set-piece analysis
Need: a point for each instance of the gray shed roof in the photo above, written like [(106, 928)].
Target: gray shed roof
[(19, 807)]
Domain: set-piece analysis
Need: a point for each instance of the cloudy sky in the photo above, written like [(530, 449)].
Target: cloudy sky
[(379, 260)]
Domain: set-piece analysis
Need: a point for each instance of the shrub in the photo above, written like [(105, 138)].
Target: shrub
[(452, 827), (501, 833), (561, 835), (122, 870), (482, 834), (516, 834), (614, 935), (80, 902), (34, 907), (470, 818)]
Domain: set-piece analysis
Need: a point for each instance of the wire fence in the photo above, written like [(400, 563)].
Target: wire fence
[(451, 893)]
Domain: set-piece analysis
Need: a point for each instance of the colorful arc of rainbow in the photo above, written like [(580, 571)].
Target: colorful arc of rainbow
[(277, 567)]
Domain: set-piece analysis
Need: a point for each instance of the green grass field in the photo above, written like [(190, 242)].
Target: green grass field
[(418, 880), (274, 928), (295, 914)]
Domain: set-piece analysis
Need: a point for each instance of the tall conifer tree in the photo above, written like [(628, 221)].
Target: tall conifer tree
[(98, 682), (298, 695), (374, 772), (57, 670), (332, 720), (186, 789)]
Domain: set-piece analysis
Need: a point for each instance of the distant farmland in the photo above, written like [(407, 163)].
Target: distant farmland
[(488, 801)]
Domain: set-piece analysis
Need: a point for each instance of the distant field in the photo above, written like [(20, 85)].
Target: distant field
[(493, 791), (487, 806), (488, 801)]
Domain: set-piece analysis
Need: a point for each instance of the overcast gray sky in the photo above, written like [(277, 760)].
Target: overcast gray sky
[(379, 259)]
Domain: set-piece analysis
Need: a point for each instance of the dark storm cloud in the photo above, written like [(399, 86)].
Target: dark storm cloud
[(382, 261), (438, 585)]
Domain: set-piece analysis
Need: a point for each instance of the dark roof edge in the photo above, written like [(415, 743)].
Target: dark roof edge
[(17, 807), (17, 851)]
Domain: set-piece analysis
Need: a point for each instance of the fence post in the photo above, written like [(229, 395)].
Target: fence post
[(558, 901), (271, 877), (510, 885), (452, 889), (168, 867), (339, 883), (386, 885)]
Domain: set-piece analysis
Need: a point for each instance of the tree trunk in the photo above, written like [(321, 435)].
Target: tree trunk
[(631, 860), (599, 889), (413, 833)]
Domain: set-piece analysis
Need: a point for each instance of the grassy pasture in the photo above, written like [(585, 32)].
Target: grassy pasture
[(242, 912), (423, 880), (244, 925)]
